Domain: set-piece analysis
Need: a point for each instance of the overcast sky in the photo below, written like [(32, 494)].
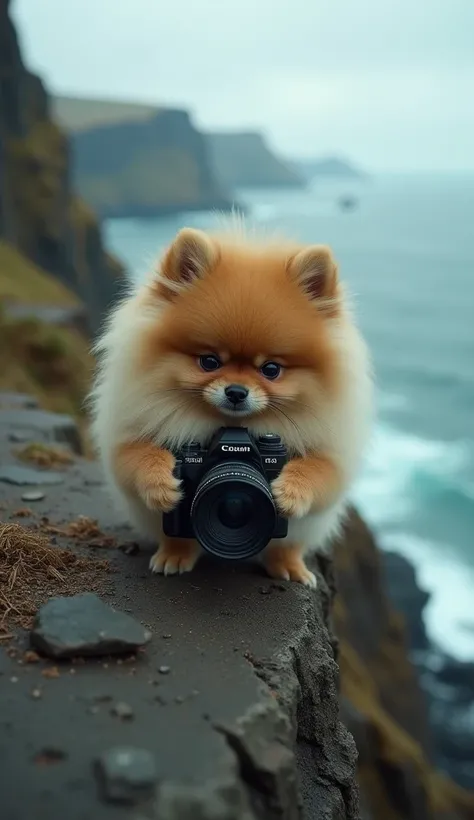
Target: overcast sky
[(388, 83)]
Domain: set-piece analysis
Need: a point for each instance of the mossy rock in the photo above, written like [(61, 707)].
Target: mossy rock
[(379, 683), (52, 363), (37, 173), (22, 281), (395, 755)]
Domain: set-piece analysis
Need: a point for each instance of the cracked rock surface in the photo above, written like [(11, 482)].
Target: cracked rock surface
[(126, 775), (41, 425), (244, 724), (80, 625), (26, 476)]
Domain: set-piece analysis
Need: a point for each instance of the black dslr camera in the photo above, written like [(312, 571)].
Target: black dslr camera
[(228, 505)]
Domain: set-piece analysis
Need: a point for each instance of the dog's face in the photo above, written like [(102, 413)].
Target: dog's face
[(242, 332)]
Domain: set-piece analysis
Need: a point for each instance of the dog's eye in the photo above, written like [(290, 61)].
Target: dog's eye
[(271, 370), (209, 362)]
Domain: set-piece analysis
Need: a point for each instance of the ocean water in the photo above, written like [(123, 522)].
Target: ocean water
[(407, 255)]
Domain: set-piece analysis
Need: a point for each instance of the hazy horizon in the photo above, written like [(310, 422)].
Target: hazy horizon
[(387, 88)]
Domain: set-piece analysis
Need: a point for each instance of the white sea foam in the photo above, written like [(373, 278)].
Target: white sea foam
[(452, 586), (384, 489), (385, 494)]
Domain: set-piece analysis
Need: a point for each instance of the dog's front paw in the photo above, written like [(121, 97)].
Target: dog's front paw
[(292, 492), (162, 492), (175, 556), (287, 563)]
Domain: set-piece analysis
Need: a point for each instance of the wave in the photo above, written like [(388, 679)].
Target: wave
[(403, 472), (449, 614), (406, 479)]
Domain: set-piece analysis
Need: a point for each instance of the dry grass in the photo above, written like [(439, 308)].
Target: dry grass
[(83, 529), (52, 363), (45, 456), (32, 570), (22, 281)]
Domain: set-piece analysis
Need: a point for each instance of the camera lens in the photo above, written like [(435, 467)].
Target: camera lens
[(235, 509), (232, 513)]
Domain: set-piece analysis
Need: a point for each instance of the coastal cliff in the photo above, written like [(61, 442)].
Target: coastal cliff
[(138, 160), (245, 160), (40, 215), (252, 684), (151, 162), (381, 701)]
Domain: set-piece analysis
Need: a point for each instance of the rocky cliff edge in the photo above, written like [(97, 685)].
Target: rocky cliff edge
[(39, 213), (234, 708)]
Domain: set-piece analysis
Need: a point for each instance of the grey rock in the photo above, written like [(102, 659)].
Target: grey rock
[(27, 476), (72, 317), (19, 436), (48, 427), (126, 775), (33, 495), (85, 625), (211, 801), (261, 743), (130, 548), (18, 400), (122, 711)]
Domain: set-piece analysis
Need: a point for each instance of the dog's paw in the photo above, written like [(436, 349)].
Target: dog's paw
[(164, 493), (286, 564), (292, 493), (175, 557)]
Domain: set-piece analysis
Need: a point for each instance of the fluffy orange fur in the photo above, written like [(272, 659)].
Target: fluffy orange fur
[(248, 304), (148, 470)]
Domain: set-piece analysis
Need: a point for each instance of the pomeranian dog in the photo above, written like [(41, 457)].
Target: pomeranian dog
[(232, 330)]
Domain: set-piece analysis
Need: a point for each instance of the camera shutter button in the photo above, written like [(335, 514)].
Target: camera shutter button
[(269, 438)]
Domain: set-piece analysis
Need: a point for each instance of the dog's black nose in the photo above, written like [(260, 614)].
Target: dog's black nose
[(236, 393)]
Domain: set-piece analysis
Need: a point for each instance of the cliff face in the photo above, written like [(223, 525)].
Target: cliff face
[(39, 214), (382, 704), (245, 160), (330, 167), (149, 163)]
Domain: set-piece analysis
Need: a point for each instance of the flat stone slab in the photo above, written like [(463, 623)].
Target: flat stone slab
[(126, 775), (33, 495), (18, 400), (84, 625), (27, 476), (19, 436), (48, 427)]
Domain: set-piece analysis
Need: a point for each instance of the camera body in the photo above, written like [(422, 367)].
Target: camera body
[(227, 503)]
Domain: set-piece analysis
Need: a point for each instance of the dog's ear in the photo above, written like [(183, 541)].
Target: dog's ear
[(315, 270), (189, 257)]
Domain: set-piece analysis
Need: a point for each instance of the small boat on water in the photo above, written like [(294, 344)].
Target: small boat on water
[(348, 203)]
